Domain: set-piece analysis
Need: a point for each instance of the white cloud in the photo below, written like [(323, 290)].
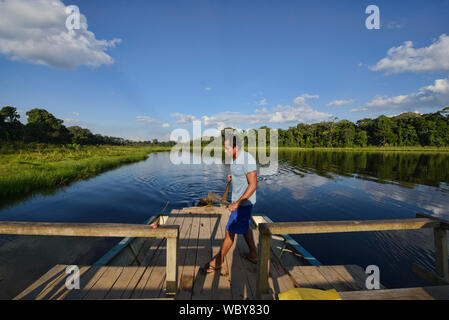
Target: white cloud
[(76, 114), (339, 103), (208, 89), (434, 96), (166, 125), (301, 100), (183, 118), (302, 112), (71, 122), (147, 120), (35, 31), (406, 58), (285, 114), (263, 102)]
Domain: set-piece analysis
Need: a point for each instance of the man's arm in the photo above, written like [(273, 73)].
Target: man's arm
[(252, 186)]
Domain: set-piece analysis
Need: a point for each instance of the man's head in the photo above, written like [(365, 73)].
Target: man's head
[(232, 144)]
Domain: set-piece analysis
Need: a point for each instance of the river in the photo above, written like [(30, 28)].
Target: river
[(309, 186)]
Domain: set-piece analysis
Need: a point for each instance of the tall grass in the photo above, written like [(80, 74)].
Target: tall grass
[(28, 168)]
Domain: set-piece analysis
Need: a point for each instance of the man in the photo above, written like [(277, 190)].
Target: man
[(243, 179)]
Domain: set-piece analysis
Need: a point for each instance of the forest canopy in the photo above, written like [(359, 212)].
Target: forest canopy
[(406, 129), (43, 127)]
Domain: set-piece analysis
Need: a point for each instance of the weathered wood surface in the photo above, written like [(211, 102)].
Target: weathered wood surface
[(341, 278), (86, 229), (426, 293), (347, 226), (201, 231)]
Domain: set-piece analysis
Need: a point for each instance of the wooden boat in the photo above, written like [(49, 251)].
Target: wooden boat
[(168, 266)]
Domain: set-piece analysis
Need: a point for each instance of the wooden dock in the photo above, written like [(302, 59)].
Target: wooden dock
[(201, 231)]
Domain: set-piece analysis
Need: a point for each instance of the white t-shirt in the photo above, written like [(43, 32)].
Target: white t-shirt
[(240, 167)]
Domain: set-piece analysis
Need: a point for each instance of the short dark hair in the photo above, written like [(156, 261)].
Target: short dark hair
[(234, 140)]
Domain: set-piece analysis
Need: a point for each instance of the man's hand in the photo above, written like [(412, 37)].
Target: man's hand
[(233, 206), (229, 177)]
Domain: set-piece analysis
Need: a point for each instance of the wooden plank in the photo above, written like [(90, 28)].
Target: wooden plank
[(204, 210), (86, 229), (152, 282), (183, 246), (135, 279), (249, 269), (428, 275), (426, 293), (441, 253), (443, 222), (238, 280), (171, 281), (51, 287), (102, 287), (123, 282), (346, 226), (297, 255), (202, 288), (188, 271), (263, 267), (360, 275), (351, 280), (221, 289), (281, 279), (314, 277), (36, 287), (87, 280), (300, 278), (61, 292), (337, 281)]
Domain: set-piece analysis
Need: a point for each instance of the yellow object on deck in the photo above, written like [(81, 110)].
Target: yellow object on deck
[(309, 294)]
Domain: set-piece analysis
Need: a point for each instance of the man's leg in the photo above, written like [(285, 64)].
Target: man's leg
[(249, 237), (227, 244)]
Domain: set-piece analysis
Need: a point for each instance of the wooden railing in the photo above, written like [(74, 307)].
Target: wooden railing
[(106, 230), (266, 230)]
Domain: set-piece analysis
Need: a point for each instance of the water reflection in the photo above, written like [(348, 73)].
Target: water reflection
[(309, 186)]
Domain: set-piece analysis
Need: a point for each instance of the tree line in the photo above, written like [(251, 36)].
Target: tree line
[(406, 129), (43, 127)]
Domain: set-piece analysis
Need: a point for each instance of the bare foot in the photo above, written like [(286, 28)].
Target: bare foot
[(212, 266)]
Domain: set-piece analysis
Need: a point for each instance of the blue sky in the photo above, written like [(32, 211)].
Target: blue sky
[(240, 63)]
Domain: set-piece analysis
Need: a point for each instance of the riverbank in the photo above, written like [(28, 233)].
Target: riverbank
[(38, 167), (372, 149)]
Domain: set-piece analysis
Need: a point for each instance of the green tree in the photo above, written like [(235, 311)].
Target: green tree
[(81, 136), (361, 138), (383, 132), (44, 127), (12, 128)]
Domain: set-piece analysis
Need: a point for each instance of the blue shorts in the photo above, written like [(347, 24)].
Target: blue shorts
[(239, 220)]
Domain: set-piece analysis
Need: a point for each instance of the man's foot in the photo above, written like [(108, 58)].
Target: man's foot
[(252, 259), (211, 267)]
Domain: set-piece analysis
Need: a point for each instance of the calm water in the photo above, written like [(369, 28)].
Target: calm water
[(310, 186)]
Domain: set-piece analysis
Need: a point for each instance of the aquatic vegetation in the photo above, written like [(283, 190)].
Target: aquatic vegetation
[(28, 168)]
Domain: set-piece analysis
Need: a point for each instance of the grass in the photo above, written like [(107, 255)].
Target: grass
[(25, 169)]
